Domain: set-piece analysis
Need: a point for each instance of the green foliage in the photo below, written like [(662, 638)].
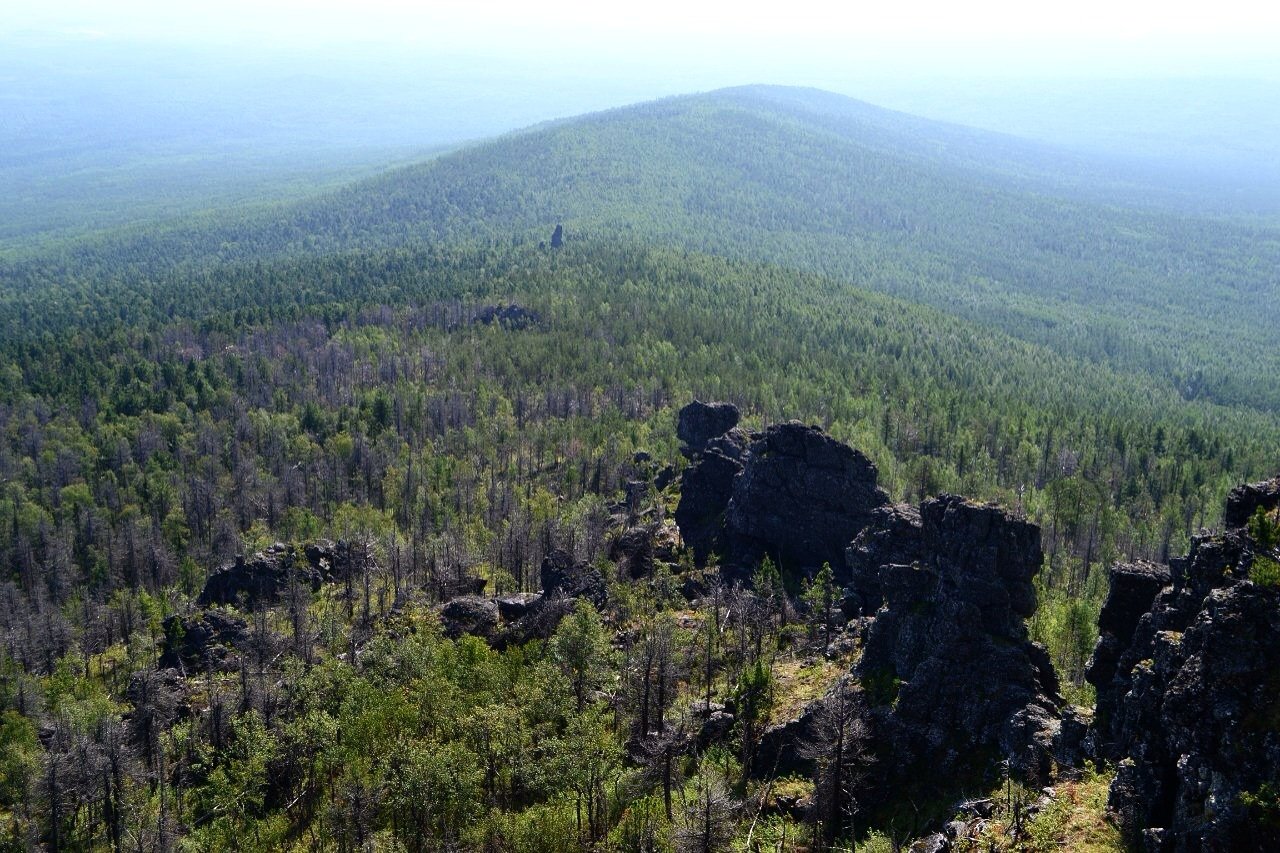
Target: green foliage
[(1264, 528), (19, 757), (1265, 571), (173, 395), (581, 648), (1263, 804)]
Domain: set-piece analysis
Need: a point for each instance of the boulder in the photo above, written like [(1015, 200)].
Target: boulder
[(562, 576), (706, 487), (1244, 500), (801, 498), (715, 728), (517, 605), (700, 422), (633, 550), (514, 317), (470, 614), (538, 623), (264, 576), (207, 641)]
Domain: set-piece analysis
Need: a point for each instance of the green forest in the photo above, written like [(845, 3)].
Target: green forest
[(342, 369)]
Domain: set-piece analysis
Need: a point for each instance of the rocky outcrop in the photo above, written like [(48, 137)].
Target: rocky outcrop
[(632, 550), (207, 641), (1134, 586), (791, 492), (891, 538), (706, 487), (539, 622), (264, 576), (1245, 500), (637, 550), (470, 614), (953, 682), (700, 422), (1189, 707), (801, 498), (562, 576)]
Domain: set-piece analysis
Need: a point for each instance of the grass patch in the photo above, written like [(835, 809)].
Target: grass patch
[(1075, 820)]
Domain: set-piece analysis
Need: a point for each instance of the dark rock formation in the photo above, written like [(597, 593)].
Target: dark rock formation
[(891, 538), (781, 749), (1245, 500), (261, 577), (470, 614), (206, 641), (953, 682), (632, 550), (539, 622), (700, 422), (265, 576), (706, 487), (562, 576), (801, 498), (1189, 707), (514, 606), (791, 492), (1134, 587)]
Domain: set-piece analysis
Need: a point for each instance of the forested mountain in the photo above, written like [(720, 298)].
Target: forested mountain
[(475, 412), (976, 224)]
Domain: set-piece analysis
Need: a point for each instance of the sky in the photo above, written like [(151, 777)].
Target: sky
[(977, 36)]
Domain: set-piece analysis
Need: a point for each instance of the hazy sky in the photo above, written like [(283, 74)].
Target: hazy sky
[(1104, 36)]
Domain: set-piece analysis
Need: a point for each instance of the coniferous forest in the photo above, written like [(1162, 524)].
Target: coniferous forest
[(278, 486)]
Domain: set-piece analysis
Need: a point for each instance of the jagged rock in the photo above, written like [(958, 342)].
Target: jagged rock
[(632, 550), (936, 842), (1192, 712), (470, 614), (261, 577), (204, 642), (155, 686), (563, 576), (539, 623), (714, 729), (953, 681), (517, 605), (781, 749), (700, 422), (706, 487), (1134, 586), (1245, 500), (264, 576), (1070, 745), (802, 497), (664, 478), (891, 537)]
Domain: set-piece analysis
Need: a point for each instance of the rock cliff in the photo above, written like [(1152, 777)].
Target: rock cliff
[(791, 492), (953, 682), (1187, 670)]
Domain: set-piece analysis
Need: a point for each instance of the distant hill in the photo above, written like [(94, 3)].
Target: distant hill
[(1007, 234)]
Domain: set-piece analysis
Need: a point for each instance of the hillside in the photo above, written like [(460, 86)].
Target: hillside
[(379, 521), (979, 225)]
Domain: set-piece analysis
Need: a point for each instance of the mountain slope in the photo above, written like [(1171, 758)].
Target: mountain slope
[(976, 224)]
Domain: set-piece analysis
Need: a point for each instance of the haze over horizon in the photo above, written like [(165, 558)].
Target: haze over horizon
[(94, 97)]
